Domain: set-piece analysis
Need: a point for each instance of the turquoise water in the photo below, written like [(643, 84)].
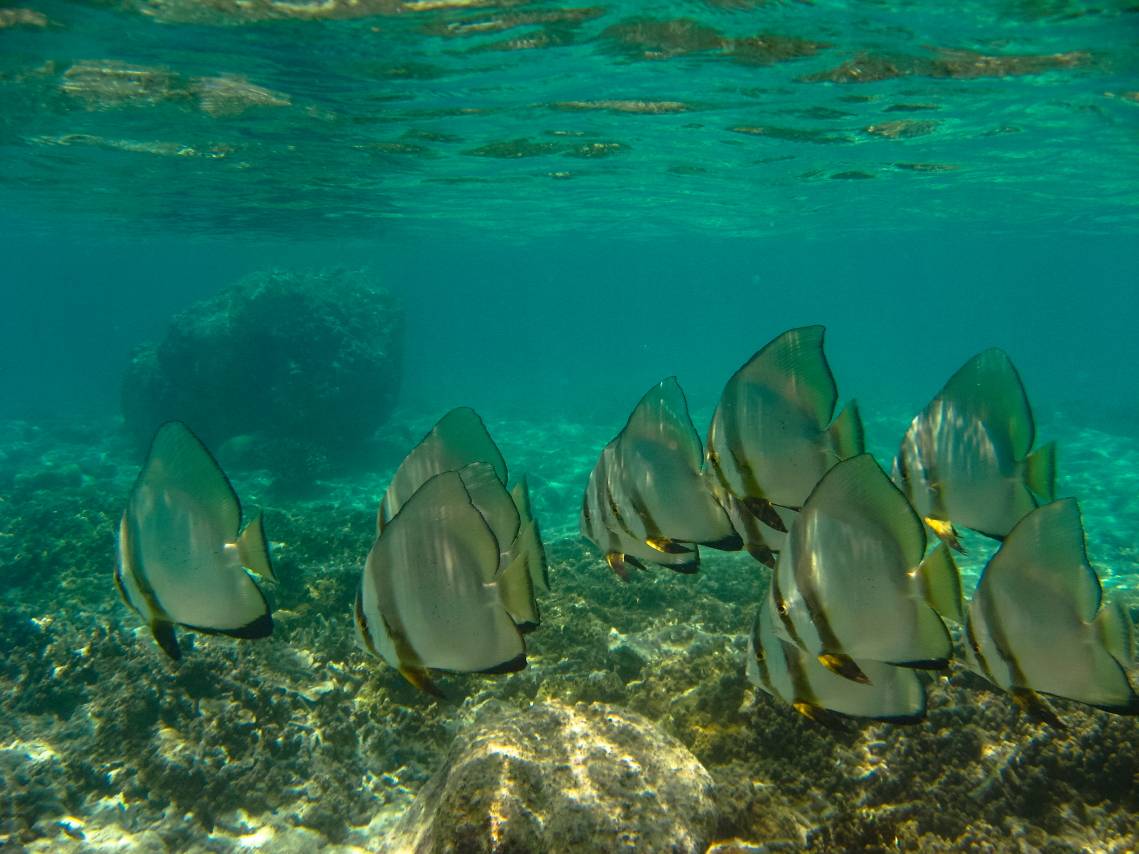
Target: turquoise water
[(571, 202)]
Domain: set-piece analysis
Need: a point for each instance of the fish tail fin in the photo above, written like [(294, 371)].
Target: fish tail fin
[(1117, 632), (516, 590), (846, 432), (253, 549), (941, 583), (1040, 471)]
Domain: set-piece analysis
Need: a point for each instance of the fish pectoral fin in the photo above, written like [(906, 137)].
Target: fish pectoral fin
[(945, 532), (1033, 705), (666, 546), (421, 679), (843, 665), (163, 632)]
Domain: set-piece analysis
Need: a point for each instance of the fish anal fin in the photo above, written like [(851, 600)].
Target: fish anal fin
[(261, 627), (941, 583), (843, 665), (945, 532), (1040, 471), (421, 679), (731, 543), (1117, 632), (253, 549), (163, 632), (765, 512), (1033, 705), (846, 433), (512, 666), (687, 568)]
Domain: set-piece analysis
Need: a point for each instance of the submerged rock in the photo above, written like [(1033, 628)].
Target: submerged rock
[(559, 777), (300, 367)]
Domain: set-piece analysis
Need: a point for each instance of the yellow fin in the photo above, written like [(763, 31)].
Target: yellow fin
[(666, 546), (1117, 632), (1040, 471), (843, 665), (941, 583), (421, 679), (253, 549), (616, 562), (846, 433), (945, 532)]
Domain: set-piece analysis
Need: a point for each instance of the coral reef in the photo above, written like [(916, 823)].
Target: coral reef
[(296, 368), (300, 742)]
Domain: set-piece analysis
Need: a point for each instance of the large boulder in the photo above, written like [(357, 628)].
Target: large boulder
[(555, 777), (307, 362)]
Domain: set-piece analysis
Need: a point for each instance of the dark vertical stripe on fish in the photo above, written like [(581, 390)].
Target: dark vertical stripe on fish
[(781, 608)]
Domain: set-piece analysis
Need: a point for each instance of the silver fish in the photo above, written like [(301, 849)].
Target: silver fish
[(966, 459), (787, 673), (182, 549), (1038, 623), (853, 582), (434, 594), (774, 433)]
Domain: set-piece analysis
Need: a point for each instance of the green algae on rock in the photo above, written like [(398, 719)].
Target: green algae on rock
[(553, 776), (308, 364)]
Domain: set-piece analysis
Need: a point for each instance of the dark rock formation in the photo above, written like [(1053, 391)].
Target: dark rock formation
[(284, 365), (558, 777)]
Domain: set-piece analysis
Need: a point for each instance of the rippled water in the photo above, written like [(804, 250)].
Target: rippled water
[(356, 117)]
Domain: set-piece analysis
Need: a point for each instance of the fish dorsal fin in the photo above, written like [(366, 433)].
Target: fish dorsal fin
[(661, 418), (859, 488), (794, 366), (491, 499), (988, 388), (656, 478), (179, 460), (1047, 546), (430, 571), (459, 438)]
